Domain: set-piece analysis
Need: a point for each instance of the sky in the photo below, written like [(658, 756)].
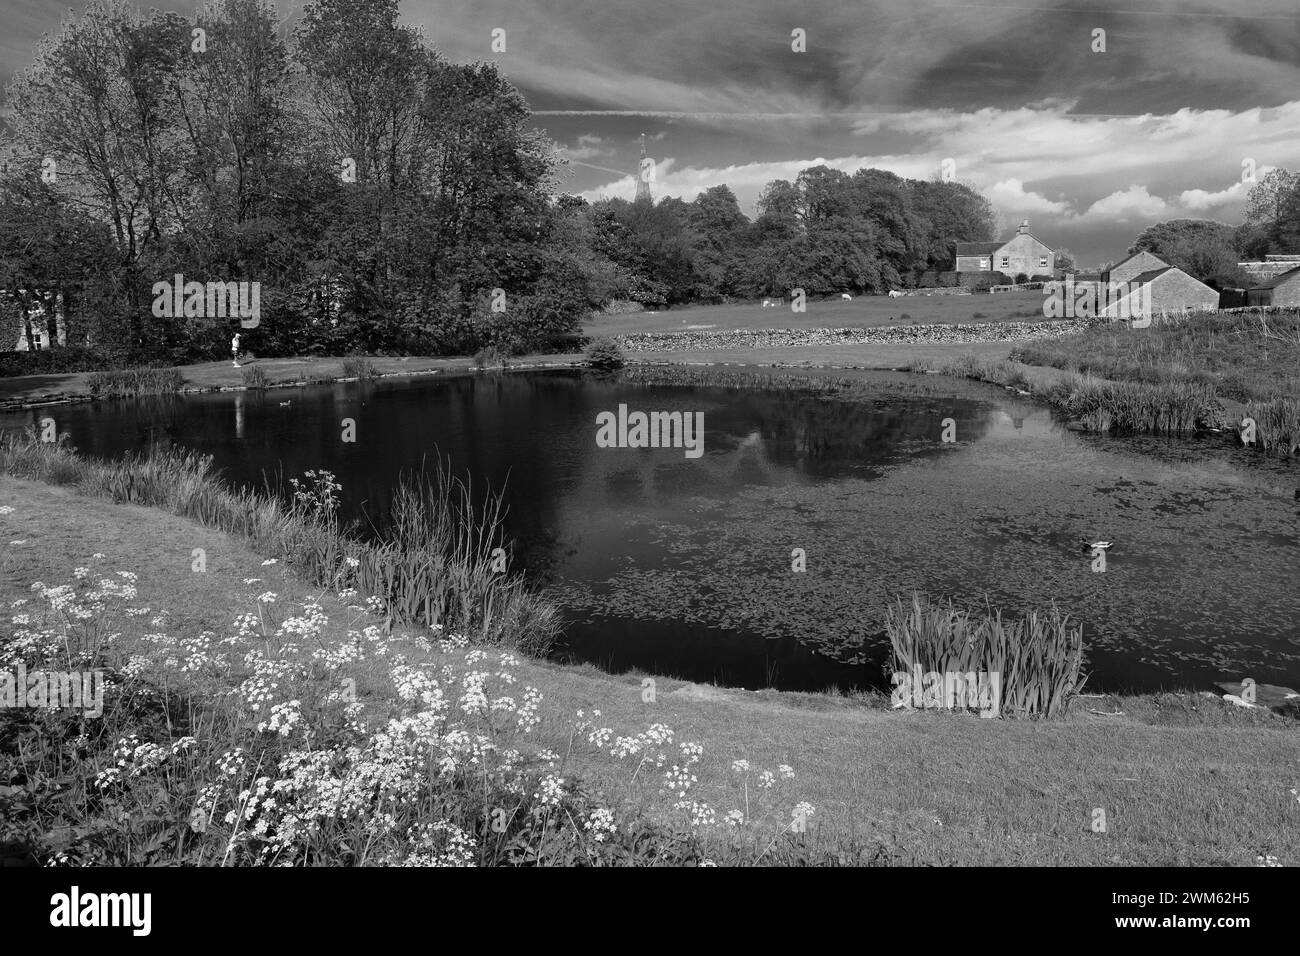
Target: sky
[(1091, 136)]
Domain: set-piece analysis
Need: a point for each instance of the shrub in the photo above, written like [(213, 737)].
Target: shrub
[(57, 361), (255, 377), (359, 367), (491, 357), (605, 355)]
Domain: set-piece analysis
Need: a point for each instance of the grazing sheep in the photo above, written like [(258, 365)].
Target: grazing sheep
[(846, 297)]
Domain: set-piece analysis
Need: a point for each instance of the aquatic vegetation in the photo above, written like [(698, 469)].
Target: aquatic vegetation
[(1169, 408), (1037, 658), (255, 377), (439, 564), (1277, 425), (131, 382), (360, 367)]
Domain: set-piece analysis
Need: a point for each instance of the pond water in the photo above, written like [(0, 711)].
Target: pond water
[(683, 565)]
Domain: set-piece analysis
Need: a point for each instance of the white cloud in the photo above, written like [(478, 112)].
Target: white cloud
[(589, 146), (1128, 205), (1010, 196)]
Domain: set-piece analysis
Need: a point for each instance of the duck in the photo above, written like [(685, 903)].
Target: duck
[(283, 404)]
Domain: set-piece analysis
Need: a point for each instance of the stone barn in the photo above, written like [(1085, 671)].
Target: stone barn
[(1168, 289), (1280, 290), (1128, 269)]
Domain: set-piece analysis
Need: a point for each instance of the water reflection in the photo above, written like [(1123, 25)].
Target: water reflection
[(683, 565)]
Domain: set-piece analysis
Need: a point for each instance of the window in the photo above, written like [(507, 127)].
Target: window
[(984, 264), (1006, 261), (1042, 262)]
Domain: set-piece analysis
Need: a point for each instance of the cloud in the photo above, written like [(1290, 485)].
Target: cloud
[(590, 146), (748, 179), (1011, 196), (1128, 205)]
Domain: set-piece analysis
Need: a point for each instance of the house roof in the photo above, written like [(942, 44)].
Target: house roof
[(1277, 280), (1142, 278), (1144, 252), (978, 248)]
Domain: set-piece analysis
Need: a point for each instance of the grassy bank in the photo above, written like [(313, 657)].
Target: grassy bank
[(1181, 375), (583, 765), (433, 565)]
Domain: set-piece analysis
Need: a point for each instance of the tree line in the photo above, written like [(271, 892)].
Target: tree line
[(387, 200), (384, 199)]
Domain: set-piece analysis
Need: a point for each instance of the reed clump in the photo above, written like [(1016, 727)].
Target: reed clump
[(132, 382), (255, 377), (1036, 660), (439, 562), (1169, 408), (1277, 425), (360, 367)]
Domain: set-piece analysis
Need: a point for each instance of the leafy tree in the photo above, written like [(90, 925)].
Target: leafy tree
[(1202, 248)]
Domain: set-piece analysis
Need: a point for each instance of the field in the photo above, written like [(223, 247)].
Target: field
[(864, 312)]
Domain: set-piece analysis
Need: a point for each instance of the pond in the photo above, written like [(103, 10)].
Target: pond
[(684, 565)]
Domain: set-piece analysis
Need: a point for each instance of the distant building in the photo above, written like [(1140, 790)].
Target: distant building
[(1283, 289), (1127, 269), (1270, 267), (1022, 253), (1166, 289), (40, 327)]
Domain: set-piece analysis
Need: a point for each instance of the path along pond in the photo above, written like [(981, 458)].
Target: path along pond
[(683, 565)]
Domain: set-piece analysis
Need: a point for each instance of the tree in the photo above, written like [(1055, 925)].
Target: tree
[(1202, 248), (718, 233), (97, 103)]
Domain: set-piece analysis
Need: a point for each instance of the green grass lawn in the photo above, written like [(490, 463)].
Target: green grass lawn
[(868, 311), (1182, 779)]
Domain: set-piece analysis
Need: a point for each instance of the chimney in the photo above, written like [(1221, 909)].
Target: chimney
[(1024, 227)]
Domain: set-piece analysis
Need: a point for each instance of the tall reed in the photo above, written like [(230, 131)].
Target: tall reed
[(1277, 425), (128, 383), (1172, 408), (435, 564), (1037, 659)]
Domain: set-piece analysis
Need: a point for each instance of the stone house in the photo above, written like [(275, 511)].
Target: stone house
[(1021, 253)]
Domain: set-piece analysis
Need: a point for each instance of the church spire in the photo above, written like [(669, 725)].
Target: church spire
[(642, 176)]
